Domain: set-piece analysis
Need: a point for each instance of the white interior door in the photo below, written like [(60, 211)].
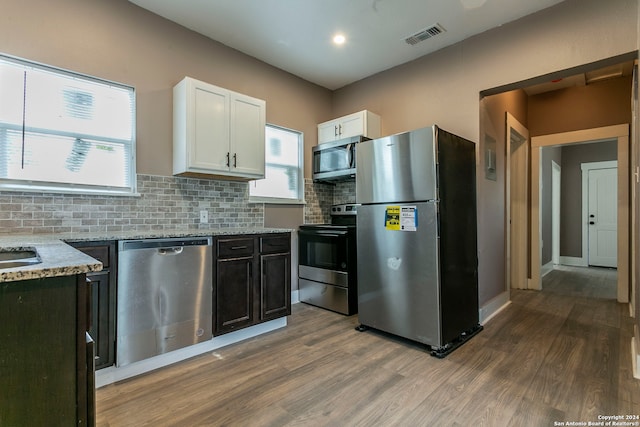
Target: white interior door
[(603, 217)]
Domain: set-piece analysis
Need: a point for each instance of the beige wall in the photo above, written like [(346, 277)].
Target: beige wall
[(116, 40), (585, 107), (491, 202), (444, 88)]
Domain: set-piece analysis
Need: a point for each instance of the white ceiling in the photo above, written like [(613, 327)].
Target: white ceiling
[(295, 35)]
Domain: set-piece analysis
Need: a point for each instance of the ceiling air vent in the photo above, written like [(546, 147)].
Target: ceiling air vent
[(425, 34)]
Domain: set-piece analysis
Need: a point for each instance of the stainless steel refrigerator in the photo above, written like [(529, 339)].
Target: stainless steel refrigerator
[(416, 237)]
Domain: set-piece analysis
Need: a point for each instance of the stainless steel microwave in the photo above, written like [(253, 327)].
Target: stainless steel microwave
[(336, 160)]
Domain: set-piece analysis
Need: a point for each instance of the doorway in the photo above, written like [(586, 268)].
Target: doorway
[(620, 133)]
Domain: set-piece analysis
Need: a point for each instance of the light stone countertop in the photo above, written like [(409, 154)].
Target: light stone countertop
[(60, 259), (159, 234)]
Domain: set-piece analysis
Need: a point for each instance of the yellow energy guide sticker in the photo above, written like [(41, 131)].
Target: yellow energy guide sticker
[(392, 218)]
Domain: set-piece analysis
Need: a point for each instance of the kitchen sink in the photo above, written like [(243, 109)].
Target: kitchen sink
[(18, 257)]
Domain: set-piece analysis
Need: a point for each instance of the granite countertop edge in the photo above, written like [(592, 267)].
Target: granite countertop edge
[(60, 259)]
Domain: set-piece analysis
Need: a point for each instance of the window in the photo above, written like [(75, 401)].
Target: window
[(283, 182), (64, 132)]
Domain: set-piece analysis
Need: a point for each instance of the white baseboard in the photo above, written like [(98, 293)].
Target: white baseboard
[(574, 261), (635, 358), (295, 297), (493, 307), (546, 269), (635, 353), (113, 374)]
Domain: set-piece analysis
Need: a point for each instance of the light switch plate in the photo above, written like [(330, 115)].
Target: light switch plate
[(204, 217)]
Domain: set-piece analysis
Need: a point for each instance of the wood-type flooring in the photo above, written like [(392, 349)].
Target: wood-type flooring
[(557, 356)]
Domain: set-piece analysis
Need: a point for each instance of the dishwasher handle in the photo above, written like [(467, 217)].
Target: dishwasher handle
[(167, 244), (171, 251)]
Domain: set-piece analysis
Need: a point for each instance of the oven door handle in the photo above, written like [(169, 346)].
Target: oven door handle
[(324, 233)]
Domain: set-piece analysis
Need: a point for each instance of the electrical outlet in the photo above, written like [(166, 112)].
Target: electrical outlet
[(204, 217)]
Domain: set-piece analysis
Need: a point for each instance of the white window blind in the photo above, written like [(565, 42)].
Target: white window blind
[(61, 131), (283, 182)]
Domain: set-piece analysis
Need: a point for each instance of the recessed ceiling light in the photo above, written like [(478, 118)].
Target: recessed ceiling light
[(339, 39)]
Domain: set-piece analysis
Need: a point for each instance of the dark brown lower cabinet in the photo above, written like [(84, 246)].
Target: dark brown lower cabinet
[(275, 278), (103, 299), (234, 287), (46, 364), (252, 280)]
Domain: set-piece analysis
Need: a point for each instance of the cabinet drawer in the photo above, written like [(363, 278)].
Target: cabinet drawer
[(275, 244), (234, 248), (101, 253)]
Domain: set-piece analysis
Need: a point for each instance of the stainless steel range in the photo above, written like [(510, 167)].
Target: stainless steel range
[(327, 262)]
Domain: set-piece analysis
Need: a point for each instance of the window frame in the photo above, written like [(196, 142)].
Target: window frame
[(281, 200), (18, 185)]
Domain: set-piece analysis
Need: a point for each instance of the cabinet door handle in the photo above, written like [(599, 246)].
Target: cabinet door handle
[(339, 129), (335, 130), (235, 160), (235, 248), (264, 269), (89, 303), (228, 162)]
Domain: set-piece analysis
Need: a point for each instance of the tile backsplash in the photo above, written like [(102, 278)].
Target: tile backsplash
[(344, 192), (165, 202), (319, 198)]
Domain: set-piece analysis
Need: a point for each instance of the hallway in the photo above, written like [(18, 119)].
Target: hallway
[(586, 282)]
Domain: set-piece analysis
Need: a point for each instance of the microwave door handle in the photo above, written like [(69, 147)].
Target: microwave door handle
[(350, 157)]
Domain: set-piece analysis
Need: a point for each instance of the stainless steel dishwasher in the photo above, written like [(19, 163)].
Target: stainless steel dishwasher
[(165, 289)]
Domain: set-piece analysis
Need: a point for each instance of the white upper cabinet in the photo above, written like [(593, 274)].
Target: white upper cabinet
[(363, 123), (217, 132)]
